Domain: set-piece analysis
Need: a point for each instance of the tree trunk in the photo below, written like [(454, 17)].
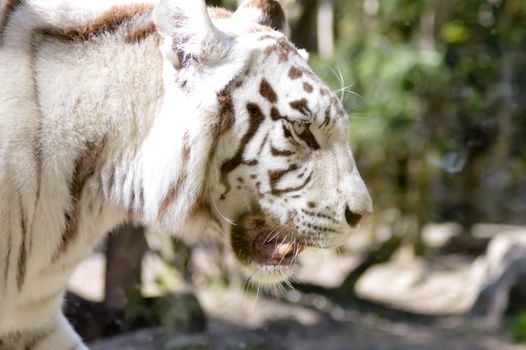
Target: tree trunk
[(303, 32), (124, 251), (326, 29)]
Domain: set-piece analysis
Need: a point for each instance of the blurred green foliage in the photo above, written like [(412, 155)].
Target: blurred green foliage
[(518, 327), (439, 115)]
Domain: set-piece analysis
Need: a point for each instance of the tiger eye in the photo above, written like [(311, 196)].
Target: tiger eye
[(299, 127)]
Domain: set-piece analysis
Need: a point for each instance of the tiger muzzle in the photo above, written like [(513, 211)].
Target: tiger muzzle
[(259, 243), (270, 249)]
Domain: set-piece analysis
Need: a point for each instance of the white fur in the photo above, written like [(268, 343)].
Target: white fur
[(125, 106)]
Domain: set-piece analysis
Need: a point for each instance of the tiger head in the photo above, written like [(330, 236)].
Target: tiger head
[(265, 141)]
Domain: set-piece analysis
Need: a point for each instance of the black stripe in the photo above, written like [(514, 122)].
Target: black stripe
[(280, 153), (295, 73), (301, 106), (256, 117), (22, 256), (276, 115), (108, 22), (309, 138), (276, 175), (266, 90), (265, 139), (10, 7), (84, 168), (293, 189), (8, 256), (319, 228), (319, 215), (172, 194), (327, 118)]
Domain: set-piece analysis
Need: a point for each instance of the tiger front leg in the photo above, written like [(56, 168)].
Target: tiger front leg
[(58, 335)]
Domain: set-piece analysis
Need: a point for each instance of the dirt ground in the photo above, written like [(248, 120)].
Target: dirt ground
[(237, 321), (294, 320)]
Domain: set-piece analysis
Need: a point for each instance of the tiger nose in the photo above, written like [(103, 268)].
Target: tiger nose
[(353, 218)]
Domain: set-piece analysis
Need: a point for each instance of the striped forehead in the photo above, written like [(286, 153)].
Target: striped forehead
[(274, 53), (301, 90)]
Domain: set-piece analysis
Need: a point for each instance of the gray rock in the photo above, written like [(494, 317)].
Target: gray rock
[(502, 268)]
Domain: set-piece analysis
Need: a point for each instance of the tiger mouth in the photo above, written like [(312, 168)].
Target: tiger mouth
[(270, 249), (255, 242)]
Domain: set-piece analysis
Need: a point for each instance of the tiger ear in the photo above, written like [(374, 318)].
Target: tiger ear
[(264, 12), (188, 32)]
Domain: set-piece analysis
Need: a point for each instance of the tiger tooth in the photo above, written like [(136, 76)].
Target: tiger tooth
[(285, 249)]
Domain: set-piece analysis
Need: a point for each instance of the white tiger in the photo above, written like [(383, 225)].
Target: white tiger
[(169, 114)]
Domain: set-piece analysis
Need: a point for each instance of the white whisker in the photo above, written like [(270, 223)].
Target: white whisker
[(287, 283), (343, 89), (230, 221), (258, 287)]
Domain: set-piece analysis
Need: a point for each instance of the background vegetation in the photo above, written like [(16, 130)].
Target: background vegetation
[(439, 115)]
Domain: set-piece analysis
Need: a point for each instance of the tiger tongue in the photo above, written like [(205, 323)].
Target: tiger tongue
[(274, 252)]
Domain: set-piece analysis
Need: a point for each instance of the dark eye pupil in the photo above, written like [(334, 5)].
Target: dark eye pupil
[(300, 127)]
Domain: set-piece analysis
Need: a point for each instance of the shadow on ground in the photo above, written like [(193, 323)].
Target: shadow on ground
[(337, 328)]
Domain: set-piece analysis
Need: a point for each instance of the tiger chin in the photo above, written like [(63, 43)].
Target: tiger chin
[(165, 113)]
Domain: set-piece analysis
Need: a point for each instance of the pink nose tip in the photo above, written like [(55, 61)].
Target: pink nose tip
[(354, 219)]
